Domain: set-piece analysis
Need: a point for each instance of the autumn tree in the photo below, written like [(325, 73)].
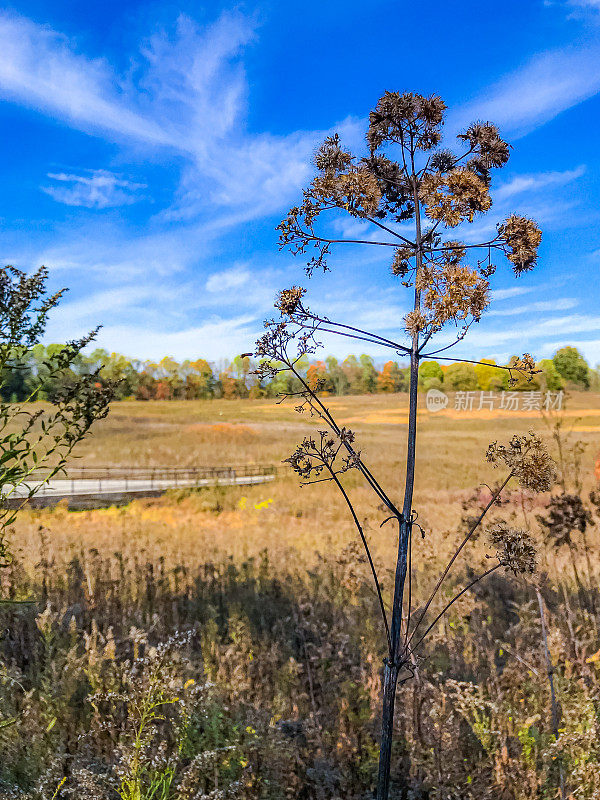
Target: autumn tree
[(391, 378), (416, 196)]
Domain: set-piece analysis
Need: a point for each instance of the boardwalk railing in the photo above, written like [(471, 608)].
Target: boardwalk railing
[(86, 480)]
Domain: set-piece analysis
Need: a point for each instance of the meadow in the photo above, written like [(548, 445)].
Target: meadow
[(225, 642)]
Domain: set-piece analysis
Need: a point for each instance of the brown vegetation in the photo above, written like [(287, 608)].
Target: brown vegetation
[(277, 626)]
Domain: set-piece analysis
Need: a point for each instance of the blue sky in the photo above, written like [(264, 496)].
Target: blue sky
[(149, 151)]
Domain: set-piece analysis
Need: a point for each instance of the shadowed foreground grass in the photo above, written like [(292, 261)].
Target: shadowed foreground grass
[(225, 643)]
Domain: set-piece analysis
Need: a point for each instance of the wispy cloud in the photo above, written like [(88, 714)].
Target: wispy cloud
[(211, 339), (227, 279), (560, 304), (100, 189), (188, 93), (547, 85), (536, 182), (513, 291)]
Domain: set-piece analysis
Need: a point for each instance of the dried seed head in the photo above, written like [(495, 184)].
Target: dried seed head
[(453, 292), (454, 196), (414, 322), (356, 191), (491, 149), (527, 458), (521, 237), (396, 116), (331, 157), (288, 300), (515, 548), (400, 264)]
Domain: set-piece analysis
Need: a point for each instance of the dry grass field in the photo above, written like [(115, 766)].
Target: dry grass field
[(450, 465), (269, 583)]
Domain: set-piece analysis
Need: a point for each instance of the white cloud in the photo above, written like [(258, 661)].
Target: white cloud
[(560, 304), (227, 279), (536, 182), (513, 291), (188, 93), (547, 85), (40, 69), (211, 339), (100, 189)]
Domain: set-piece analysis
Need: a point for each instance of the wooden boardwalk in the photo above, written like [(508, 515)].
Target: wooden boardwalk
[(93, 487)]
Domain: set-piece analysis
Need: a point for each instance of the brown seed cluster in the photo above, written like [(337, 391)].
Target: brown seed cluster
[(415, 322), (399, 116), (454, 196), (491, 150), (528, 460), (290, 300), (515, 549), (401, 263), (452, 293), (356, 190), (521, 238)]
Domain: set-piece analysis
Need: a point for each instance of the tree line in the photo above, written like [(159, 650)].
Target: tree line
[(169, 379)]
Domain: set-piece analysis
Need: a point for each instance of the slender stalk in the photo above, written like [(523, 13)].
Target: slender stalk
[(457, 552), (553, 703), (392, 667), (370, 559), (454, 599)]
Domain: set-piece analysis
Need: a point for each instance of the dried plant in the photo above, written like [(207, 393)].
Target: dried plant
[(435, 191)]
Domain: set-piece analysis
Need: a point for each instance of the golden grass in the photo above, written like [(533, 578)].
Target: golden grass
[(299, 522)]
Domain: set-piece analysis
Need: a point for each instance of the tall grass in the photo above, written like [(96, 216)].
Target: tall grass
[(214, 644)]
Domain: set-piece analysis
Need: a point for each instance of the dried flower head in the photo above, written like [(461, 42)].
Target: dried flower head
[(401, 262), (515, 549), (331, 157), (355, 190), (491, 149), (521, 238), (454, 196), (528, 460), (400, 117), (451, 293), (415, 322), (289, 300)]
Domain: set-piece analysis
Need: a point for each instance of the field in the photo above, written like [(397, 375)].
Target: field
[(271, 686)]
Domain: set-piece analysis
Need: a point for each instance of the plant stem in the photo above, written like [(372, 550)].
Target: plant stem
[(392, 666), (553, 703)]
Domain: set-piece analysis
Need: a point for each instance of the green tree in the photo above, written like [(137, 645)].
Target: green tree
[(460, 377), (36, 441), (550, 377), (353, 373), (200, 381), (338, 377), (572, 366), (489, 378), (431, 375), (368, 377)]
